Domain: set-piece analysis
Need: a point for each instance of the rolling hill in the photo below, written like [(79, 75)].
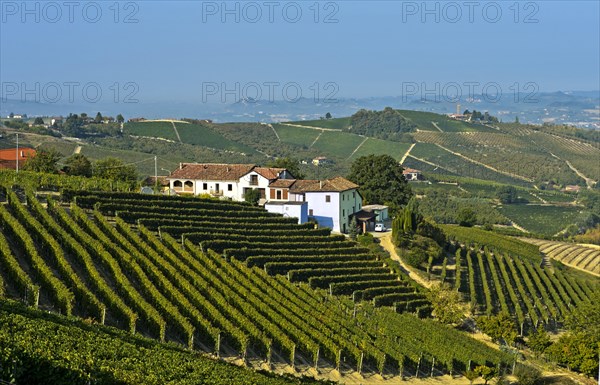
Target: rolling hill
[(538, 160)]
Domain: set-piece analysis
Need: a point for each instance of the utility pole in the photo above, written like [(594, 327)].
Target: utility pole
[(155, 173), (17, 152)]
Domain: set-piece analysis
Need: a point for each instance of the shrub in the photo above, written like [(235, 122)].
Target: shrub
[(527, 375)]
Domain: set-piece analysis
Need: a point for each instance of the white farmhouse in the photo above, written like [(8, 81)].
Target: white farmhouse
[(224, 180), (411, 174), (331, 202)]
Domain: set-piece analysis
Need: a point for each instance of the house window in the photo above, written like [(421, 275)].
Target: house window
[(253, 180), (216, 187), (353, 194), (229, 187), (343, 213), (327, 198), (204, 186), (310, 212), (278, 194)]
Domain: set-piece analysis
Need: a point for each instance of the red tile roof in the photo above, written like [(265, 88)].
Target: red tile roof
[(337, 184), (269, 172), (409, 171), (282, 183), (10, 154), (211, 171), (221, 171)]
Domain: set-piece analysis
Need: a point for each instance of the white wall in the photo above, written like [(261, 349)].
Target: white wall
[(263, 183), (327, 214), (211, 186), (291, 210), (237, 192)]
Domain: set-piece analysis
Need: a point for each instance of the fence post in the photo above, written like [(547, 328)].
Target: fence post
[(218, 345)]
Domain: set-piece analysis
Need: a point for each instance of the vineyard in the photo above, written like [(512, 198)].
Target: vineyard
[(506, 275), (521, 157), (270, 242), (583, 257), (53, 349), (175, 270)]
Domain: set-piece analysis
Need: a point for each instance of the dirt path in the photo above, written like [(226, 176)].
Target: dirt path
[(315, 141), (436, 126), (176, 132), (386, 243), (430, 163), (407, 153), (510, 174), (516, 226), (276, 134), (590, 182), (311, 127), (357, 148)]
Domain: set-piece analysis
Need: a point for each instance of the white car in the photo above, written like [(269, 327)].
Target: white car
[(380, 228)]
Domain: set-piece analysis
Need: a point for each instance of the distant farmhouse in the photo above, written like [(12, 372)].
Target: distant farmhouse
[(330, 202), (56, 121), (410, 174), (16, 116), (321, 161), (9, 157)]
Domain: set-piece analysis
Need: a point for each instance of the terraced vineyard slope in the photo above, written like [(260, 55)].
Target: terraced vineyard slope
[(579, 256)]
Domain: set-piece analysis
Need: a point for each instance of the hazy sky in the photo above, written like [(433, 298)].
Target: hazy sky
[(178, 50)]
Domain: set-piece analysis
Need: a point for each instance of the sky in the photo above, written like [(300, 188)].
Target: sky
[(215, 51)]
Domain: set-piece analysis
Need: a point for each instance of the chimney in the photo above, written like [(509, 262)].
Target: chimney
[(180, 166), (320, 185)]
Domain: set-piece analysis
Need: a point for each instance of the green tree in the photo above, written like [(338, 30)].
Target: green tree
[(290, 164), (115, 169), (38, 121), (252, 196), (388, 124), (120, 119), (98, 118), (78, 164), (328, 115), (73, 125), (507, 194), (43, 161), (486, 372), (585, 318), (579, 347), (539, 341), (500, 327), (447, 304), (380, 179), (416, 257), (353, 230), (466, 217)]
